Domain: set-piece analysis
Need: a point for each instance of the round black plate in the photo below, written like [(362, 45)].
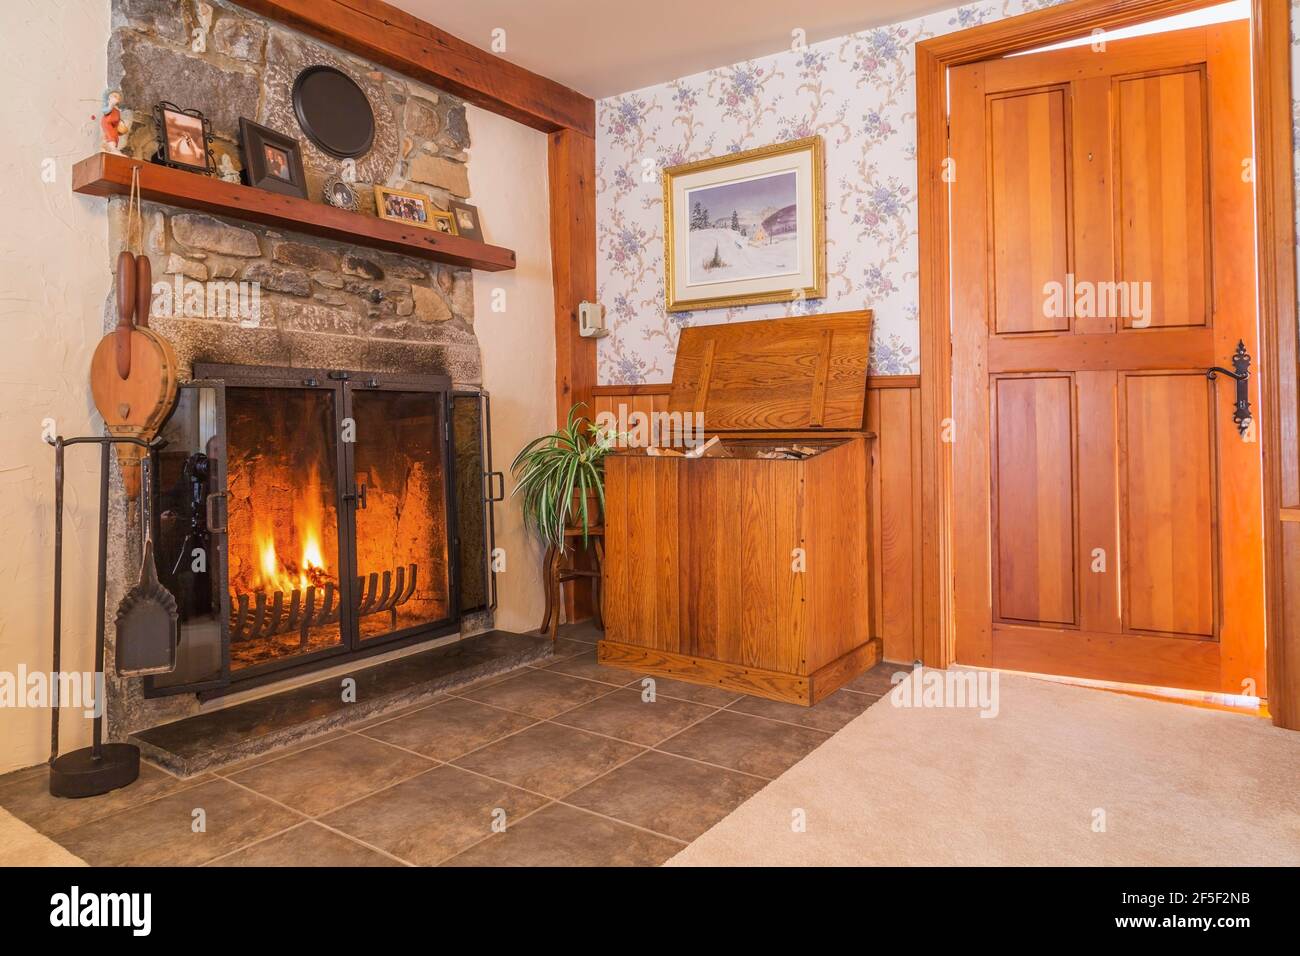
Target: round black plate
[(334, 112)]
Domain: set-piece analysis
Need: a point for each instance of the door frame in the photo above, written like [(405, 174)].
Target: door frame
[(1276, 291)]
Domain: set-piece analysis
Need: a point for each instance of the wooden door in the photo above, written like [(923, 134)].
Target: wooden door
[(1106, 510)]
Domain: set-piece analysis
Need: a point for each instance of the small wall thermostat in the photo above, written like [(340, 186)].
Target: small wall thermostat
[(591, 320)]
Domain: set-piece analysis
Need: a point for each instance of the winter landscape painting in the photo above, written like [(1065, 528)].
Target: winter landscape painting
[(747, 229)]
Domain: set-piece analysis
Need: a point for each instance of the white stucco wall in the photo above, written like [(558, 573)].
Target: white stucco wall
[(54, 281), (508, 177)]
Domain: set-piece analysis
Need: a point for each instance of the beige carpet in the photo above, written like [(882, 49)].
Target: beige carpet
[(1178, 785), (20, 845)]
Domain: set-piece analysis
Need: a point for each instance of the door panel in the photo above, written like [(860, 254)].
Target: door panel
[(1167, 446), (1030, 214), (1105, 509), (1033, 430), (1163, 194)]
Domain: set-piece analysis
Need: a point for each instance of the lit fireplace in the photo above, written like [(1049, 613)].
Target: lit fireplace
[(328, 505)]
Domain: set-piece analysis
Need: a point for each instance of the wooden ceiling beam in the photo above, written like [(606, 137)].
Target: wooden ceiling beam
[(393, 38)]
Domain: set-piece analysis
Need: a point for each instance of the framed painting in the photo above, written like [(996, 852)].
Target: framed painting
[(746, 228)]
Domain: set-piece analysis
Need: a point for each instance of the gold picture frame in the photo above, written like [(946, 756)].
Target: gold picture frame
[(765, 164), (412, 209)]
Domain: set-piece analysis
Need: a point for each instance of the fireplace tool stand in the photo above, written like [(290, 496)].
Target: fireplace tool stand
[(101, 767)]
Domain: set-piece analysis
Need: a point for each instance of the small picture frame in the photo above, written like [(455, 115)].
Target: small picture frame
[(272, 161), (466, 220), (184, 138), (337, 192), (413, 209)]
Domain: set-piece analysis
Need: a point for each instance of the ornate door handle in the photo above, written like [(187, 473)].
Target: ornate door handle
[(1241, 365)]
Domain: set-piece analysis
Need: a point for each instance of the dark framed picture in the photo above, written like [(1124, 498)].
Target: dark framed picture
[(467, 222), (272, 161), (184, 138)]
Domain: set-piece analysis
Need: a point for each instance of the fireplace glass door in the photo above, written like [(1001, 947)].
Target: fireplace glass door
[(399, 497), (286, 580), (305, 516)]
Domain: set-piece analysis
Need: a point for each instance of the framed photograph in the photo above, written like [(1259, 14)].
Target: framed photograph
[(467, 223), (272, 161), (413, 208), (337, 192), (746, 228), (184, 138)]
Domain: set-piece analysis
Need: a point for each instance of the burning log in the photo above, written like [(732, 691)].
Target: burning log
[(318, 606)]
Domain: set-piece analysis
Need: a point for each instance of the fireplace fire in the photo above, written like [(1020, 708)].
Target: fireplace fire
[(332, 507)]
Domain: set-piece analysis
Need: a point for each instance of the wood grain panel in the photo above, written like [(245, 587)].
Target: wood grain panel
[(894, 416), (640, 416), (894, 502), (1167, 453), (767, 372), (760, 567), (1029, 215), (835, 537), (774, 685), (1162, 218), (643, 542), (1099, 533), (571, 176), (732, 481), (618, 560), (571, 169), (1092, 212), (668, 623), (790, 586), (1158, 661), (1155, 348), (1034, 517)]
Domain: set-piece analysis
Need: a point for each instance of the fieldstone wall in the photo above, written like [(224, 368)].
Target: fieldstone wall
[(323, 304)]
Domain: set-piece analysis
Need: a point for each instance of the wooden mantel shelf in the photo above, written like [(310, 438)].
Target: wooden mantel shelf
[(107, 174)]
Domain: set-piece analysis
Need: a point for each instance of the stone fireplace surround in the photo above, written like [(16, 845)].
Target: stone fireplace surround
[(323, 304)]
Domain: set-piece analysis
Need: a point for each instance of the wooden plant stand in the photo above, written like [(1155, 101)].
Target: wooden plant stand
[(555, 574)]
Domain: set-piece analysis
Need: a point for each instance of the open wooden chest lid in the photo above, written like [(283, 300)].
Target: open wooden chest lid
[(799, 374)]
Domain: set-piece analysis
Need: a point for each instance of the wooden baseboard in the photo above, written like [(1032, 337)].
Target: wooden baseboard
[(774, 685)]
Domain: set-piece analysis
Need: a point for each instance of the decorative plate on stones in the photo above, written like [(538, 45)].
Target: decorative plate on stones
[(287, 56), (333, 111), (338, 193)]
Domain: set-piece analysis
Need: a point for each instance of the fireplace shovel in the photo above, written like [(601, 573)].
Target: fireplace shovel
[(147, 629)]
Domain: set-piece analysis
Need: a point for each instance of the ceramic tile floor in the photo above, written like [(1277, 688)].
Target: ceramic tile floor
[(567, 754)]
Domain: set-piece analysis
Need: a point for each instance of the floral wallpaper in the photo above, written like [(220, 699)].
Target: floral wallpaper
[(858, 93)]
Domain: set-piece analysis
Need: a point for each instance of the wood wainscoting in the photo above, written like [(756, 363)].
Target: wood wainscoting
[(894, 415)]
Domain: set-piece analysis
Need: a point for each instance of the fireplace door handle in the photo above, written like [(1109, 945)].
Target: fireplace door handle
[(499, 476), (359, 496), (1241, 374), (211, 512)]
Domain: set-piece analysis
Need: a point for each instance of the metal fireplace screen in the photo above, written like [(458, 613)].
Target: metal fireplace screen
[(309, 515)]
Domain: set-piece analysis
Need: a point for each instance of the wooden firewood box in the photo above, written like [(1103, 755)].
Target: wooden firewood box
[(748, 572)]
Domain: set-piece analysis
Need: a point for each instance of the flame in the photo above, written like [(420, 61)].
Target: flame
[(277, 574)]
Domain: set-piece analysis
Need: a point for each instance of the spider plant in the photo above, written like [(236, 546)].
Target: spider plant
[(554, 469)]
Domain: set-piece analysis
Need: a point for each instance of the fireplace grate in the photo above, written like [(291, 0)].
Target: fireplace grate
[(256, 618)]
